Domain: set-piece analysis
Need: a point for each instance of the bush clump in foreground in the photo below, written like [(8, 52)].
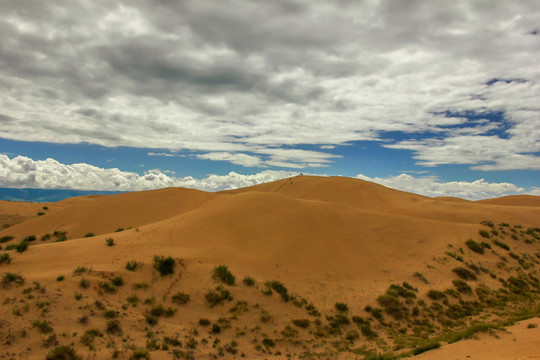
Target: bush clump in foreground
[(5, 258), (165, 266), (474, 246), (501, 244), (63, 353), (217, 296), (278, 287), (22, 246), (222, 273), (180, 298), (465, 274), (483, 233)]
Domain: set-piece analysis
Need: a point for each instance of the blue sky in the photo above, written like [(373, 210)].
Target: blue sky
[(438, 98)]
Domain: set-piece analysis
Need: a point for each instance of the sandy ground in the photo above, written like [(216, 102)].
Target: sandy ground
[(518, 342), (327, 239)]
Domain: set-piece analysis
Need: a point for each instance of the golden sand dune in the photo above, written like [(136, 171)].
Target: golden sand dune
[(514, 200), (326, 240)]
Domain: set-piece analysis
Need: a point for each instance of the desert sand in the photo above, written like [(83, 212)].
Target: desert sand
[(326, 240)]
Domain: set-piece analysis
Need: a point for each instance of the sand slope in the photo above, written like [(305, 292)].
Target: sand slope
[(328, 239)]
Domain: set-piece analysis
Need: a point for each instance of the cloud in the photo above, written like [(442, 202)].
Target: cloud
[(23, 172), (205, 77), (432, 186), (238, 159)]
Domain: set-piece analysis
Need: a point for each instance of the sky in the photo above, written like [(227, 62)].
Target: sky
[(440, 98)]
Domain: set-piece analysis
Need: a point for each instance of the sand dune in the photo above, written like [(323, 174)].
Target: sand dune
[(514, 200), (327, 239)]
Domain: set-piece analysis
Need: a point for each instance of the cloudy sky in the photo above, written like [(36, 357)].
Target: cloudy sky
[(438, 97)]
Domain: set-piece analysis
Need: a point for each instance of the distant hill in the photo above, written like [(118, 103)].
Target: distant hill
[(46, 195)]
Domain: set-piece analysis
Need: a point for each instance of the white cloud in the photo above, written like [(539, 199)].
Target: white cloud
[(237, 158), (23, 172), (432, 186), (200, 77)]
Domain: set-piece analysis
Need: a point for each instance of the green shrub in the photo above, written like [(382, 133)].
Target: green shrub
[(133, 299), (462, 286), (117, 281), (249, 281), (204, 322), (90, 234), (6, 238), (217, 296), (501, 244), (339, 306), (352, 335), (159, 311), (180, 298), (43, 326), (140, 286), (88, 337), (151, 320), (427, 347), (40, 213), (85, 284), (63, 353), (60, 278), (268, 343), (133, 265), (139, 354), (5, 258), (22, 246), (30, 238), (301, 323), (10, 247), (119, 229), (113, 327), (78, 296), (80, 269), (436, 295), (110, 242), (222, 273), (165, 266), (484, 233), (278, 287), (367, 331), (45, 237), (474, 246), (392, 305), (216, 329), (465, 274), (108, 287), (10, 278)]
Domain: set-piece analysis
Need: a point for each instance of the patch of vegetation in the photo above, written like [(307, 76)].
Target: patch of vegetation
[(474, 246), (88, 337), (463, 273), (165, 266), (60, 278), (5, 258), (222, 273), (108, 287), (301, 323), (484, 233), (89, 234), (9, 278), (63, 353), (180, 298), (110, 242), (427, 347), (40, 213), (339, 306), (43, 326), (140, 286), (159, 311), (204, 322), (217, 296), (133, 265), (462, 286), (421, 277), (117, 281), (279, 288), (436, 294), (249, 281), (6, 238), (113, 327), (501, 244), (139, 354), (119, 229), (85, 284), (268, 343), (81, 269), (22, 246)]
